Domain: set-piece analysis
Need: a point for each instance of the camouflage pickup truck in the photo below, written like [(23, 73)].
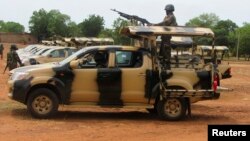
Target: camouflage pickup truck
[(117, 76), (220, 51)]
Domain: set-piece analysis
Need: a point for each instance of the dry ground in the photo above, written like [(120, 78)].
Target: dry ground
[(127, 124)]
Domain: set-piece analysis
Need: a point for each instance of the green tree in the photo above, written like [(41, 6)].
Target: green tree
[(14, 27), (204, 20), (208, 20), (73, 30), (92, 26), (222, 32), (2, 25), (38, 24), (58, 23), (45, 24), (244, 40), (106, 33), (118, 38), (11, 27)]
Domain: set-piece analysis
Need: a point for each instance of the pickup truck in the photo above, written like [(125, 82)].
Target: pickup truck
[(205, 52), (118, 76)]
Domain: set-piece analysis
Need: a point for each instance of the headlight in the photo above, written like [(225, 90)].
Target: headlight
[(32, 61), (19, 76)]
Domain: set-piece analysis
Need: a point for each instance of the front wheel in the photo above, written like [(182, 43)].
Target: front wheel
[(172, 108), (42, 103)]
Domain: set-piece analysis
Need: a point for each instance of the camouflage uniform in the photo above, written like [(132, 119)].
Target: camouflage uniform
[(13, 59), (165, 49), (1, 51)]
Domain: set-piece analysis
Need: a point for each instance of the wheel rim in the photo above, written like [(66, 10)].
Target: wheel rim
[(172, 107), (42, 105)]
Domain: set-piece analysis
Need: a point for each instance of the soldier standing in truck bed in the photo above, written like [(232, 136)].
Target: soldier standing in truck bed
[(13, 59), (165, 48)]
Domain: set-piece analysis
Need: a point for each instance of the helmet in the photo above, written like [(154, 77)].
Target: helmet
[(169, 7), (13, 47)]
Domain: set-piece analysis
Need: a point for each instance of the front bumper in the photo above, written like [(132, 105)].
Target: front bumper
[(18, 90)]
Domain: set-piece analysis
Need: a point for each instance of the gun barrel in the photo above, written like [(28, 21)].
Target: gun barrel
[(131, 17)]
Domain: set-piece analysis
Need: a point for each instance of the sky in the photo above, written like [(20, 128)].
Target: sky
[(153, 10)]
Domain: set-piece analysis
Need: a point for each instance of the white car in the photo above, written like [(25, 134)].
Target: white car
[(54, 54)]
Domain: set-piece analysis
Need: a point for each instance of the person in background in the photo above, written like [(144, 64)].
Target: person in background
[(12, 58), (1, 50)]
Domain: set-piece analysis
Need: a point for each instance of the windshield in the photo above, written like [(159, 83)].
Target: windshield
[(29, 47), (46, 53), (42, 51), (73, 56)]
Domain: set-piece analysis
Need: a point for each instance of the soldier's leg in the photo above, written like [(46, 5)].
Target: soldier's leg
[(168, 56), (12, 66)]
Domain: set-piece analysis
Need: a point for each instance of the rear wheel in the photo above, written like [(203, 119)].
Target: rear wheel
[(172, 108), (42, 103)]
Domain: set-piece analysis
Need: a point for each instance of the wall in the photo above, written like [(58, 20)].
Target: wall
[(22, 38)]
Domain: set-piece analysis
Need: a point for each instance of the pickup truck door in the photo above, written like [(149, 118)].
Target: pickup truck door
[(97, 85), (133, 66)]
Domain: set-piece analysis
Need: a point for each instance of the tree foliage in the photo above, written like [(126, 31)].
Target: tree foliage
[(244, 39), (58, 23), (11, 27), (118, 38), (208, 20), (45, 24), (73, 29), (106, 33), (222, 31), (92, 26), (204, 20)]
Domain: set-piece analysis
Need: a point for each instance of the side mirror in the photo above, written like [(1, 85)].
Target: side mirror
[(74, 64), (49, 55)]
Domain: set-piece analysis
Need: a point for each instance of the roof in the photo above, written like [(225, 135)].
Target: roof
[(84, 40), (120, 47), (140, 31), (220, 48)]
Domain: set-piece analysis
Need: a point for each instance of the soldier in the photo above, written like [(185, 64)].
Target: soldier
[(1, 50), (13, 59), (165, 48)]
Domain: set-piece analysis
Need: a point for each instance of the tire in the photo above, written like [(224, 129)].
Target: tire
[(42, 103), (172, 109)]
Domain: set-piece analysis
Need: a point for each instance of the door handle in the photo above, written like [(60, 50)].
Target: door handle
[(141, 74), (104, 75)]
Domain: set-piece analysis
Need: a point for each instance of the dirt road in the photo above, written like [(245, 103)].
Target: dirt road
[(127, 124)]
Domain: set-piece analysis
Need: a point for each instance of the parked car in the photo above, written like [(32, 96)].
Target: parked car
[(53, 54), (29, 50)]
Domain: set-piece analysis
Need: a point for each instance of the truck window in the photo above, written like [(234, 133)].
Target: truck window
[(57, 53), (126, 59), (95, 59)]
